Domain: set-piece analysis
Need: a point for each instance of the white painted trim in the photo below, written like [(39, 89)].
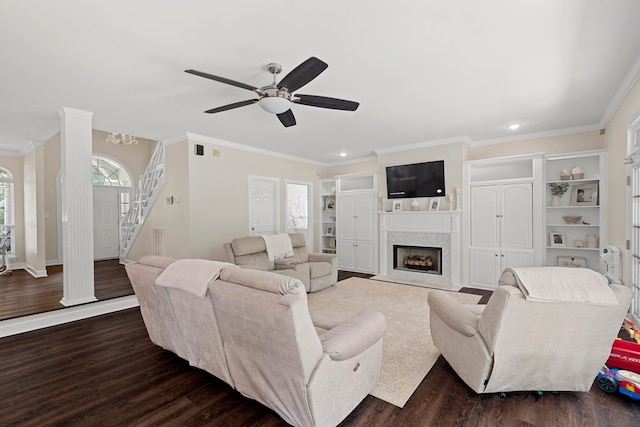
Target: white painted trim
[(622, 92), (34, 272), (57, 317), (536, 135), (455, 139), (209, 140)]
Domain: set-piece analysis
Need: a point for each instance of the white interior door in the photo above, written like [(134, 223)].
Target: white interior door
[(299, 218), (105, 223), (263, 205)]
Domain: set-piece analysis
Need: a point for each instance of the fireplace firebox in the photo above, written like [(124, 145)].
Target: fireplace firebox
[(417, 258)]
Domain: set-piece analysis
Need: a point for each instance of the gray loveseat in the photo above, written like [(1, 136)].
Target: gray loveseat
[(315, 270), (252, 329)]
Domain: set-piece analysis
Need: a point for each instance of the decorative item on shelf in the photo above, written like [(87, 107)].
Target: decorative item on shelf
[(565, 175), (458, 194), (397, 206), (434, 204), (557, 189), (578, 243), (577, 172), (333, 190), (380, 202), (556, 239), (450, 202), (415, 205), (592, 240), (121, 138), (584, 195), (572, 261), (572, 219)]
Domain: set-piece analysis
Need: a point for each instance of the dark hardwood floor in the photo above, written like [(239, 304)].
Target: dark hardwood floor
[(22, 294), (104, 371)]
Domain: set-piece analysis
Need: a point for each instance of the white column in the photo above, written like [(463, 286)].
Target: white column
[(77, 206)]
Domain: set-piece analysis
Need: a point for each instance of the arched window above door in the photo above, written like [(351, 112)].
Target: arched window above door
[(108, 172)]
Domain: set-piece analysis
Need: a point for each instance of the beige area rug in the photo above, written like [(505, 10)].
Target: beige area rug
[(409, 352)]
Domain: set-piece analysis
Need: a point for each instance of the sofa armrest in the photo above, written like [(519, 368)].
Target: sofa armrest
[(286, 263), (354, 335), (254, 267), (320, 257), (457, 316)]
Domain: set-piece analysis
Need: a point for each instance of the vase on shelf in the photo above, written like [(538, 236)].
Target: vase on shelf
[(555, 201)]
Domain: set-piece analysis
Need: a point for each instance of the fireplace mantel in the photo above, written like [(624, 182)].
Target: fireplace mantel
[(436, 228)]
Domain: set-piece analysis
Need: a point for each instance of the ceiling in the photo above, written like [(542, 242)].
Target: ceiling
[(423, 71)]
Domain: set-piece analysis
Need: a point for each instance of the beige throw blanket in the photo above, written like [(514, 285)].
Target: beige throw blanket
[(560, 284), (278, 246), (191, 275)]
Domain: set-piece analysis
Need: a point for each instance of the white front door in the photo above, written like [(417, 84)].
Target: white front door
[(263, 205), (105, 223)]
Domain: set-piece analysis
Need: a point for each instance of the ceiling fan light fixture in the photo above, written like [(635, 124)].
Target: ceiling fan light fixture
[(274, 104)]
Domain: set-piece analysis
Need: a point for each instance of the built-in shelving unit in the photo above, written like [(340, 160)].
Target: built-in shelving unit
[(328, 222), (576, 244)]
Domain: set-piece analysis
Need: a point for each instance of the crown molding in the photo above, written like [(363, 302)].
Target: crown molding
[(220, 142), (622, 92), (455, 139), (536, 135)]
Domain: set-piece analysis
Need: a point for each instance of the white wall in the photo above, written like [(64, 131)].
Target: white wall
[(214, 196), (615, 139)]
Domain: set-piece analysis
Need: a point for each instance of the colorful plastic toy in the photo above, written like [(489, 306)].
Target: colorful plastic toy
[(625, 382)]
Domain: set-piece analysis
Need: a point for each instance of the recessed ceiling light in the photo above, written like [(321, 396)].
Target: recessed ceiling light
[(343, 154), (514, 126)]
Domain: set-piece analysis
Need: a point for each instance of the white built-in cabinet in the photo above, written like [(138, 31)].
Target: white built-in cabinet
[(502, 213), (501, 230), (357, 223), (576, 244)]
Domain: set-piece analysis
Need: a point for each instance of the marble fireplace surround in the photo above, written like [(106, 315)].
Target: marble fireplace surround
[(421, 228)]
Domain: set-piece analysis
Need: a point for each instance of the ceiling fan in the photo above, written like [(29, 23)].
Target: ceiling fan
[(277, 98)]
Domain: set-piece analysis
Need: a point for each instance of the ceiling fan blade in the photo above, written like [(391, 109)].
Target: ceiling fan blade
[(232, 106), (287, 118), (303, 74), (326, 102), (221, 79)]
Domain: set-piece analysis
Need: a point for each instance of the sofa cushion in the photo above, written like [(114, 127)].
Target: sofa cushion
[(156, 261), (319, 269), (297, 240), (268, 282), (248, 245)]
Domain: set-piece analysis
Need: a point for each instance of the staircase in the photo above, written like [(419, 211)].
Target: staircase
[(151, 182)]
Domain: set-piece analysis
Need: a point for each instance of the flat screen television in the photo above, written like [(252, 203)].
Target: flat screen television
[(416, 180)]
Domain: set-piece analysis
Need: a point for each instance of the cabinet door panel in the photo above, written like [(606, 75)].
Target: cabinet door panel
[(484, 211), (365, 216), (366, 257), (347, 255), (484, 267), (346, 217), (517, 216), (517, 259)]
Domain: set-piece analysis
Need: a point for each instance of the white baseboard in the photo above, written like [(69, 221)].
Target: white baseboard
[(65, 315), (34, 272)]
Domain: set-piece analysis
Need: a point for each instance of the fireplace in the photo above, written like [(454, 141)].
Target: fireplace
[(424, 229), (422, 259)]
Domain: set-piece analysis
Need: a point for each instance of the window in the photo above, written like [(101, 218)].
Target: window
[(7, 213), (108, 172)]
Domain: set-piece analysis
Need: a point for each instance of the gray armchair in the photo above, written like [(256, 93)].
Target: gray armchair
[(543, 329)]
